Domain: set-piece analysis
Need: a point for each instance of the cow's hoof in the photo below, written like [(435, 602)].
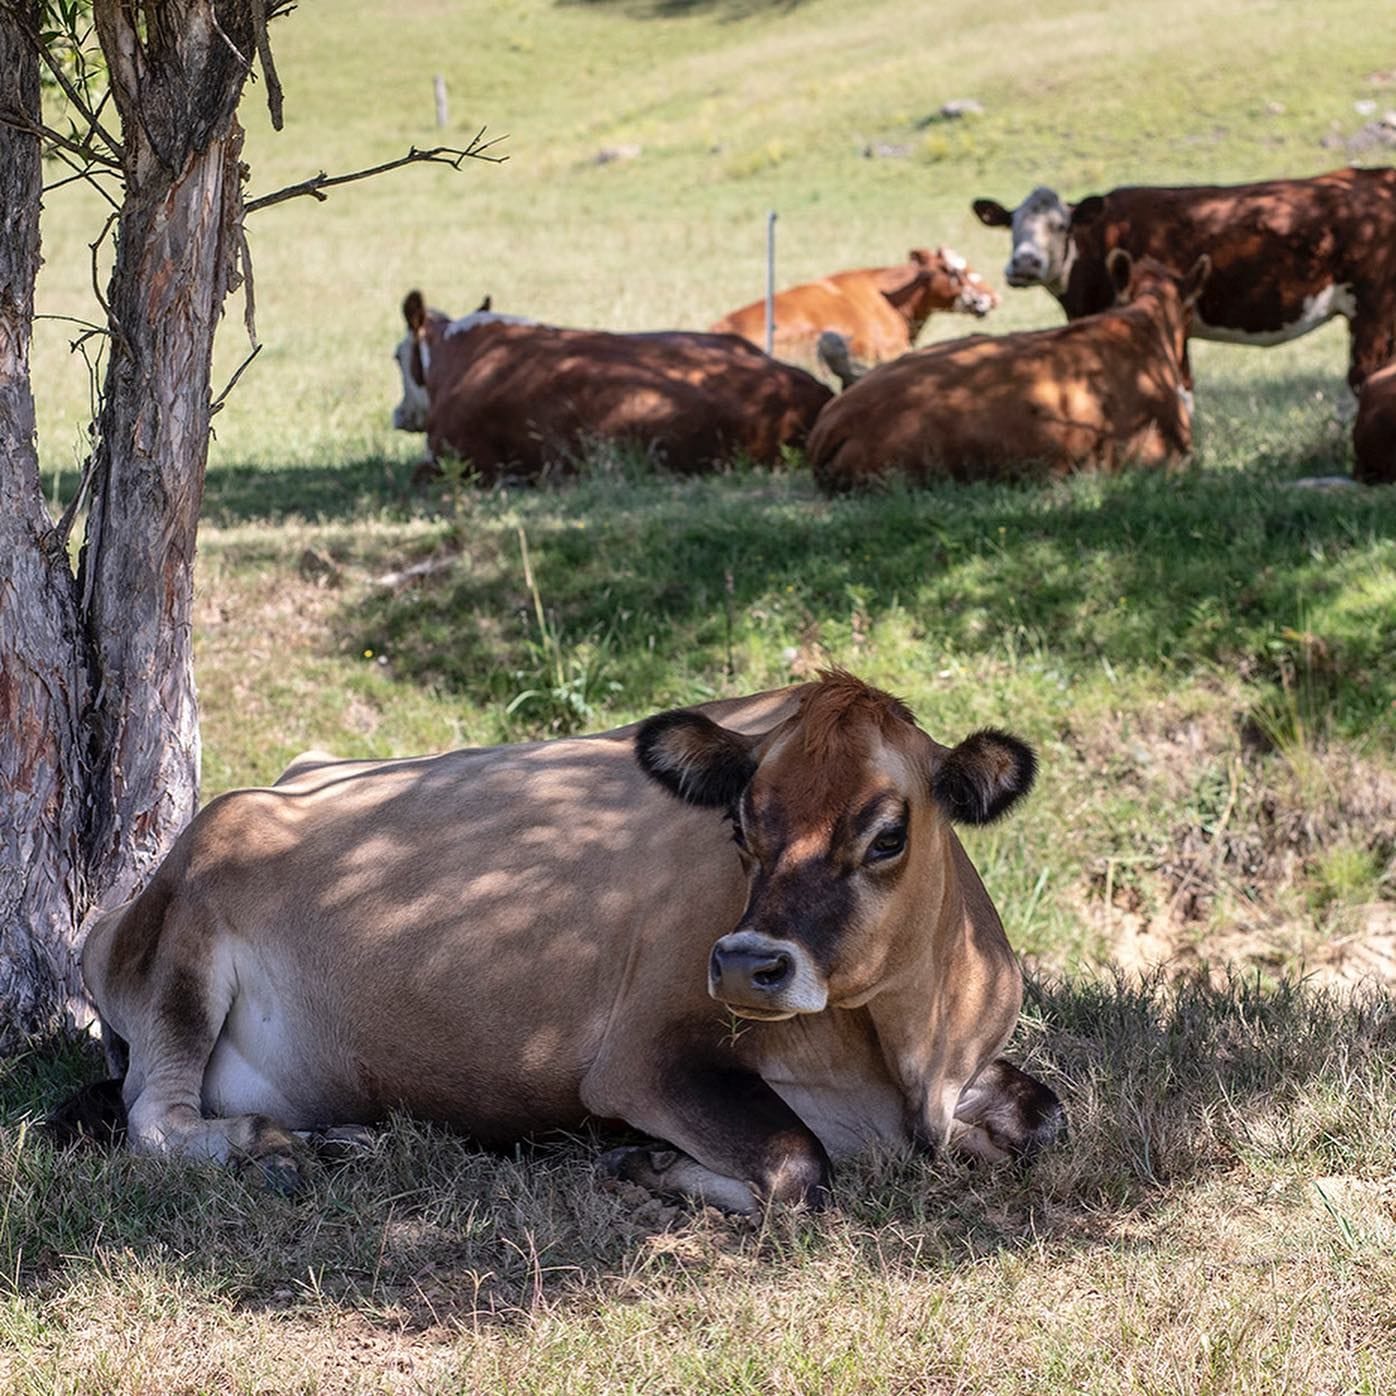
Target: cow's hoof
[(339, 1143), (636, 1163), (279, 1173)]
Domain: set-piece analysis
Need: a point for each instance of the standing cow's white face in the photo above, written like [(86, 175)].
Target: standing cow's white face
[(1042, 247)]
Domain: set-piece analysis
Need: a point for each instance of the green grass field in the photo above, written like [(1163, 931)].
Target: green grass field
[(1206, 662)]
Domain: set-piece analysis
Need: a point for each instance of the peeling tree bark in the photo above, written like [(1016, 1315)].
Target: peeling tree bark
[(177, 91), (99, 740), (43, 670)]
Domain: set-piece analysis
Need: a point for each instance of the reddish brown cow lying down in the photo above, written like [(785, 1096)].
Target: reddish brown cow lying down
[(879, 311), (1096, 393), (527, 400), (1374, 432)]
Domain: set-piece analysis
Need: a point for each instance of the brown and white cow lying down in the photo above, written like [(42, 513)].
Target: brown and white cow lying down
[(524, 399), (1374, 431), (879, 311), (1097, 393), (1287, 254), (747, 930)]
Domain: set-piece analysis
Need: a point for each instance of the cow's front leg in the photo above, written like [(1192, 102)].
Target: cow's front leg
[(727, 1139), (1005, 1113)]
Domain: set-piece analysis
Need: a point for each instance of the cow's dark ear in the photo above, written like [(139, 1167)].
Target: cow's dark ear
[(1120, 267), (992, 214), (695, 759), (920, 255), (1087, 211), (1192, 284), (484, 305), (984, 776), (414, 311)]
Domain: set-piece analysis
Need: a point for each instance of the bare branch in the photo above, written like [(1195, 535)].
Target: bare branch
[(88, 327), (96, 283), (438, 155), (87, 172), (20, 122), (217, 405), (275, 97)]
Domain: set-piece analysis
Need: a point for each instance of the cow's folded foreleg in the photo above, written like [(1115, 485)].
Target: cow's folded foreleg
[(728, 1139), (1005, 1113)]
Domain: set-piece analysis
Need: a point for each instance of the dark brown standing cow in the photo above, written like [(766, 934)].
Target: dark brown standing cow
[(879, 311), (1287, 254), (526, 400), (1098, 393), (747, 930), (1374, 431)]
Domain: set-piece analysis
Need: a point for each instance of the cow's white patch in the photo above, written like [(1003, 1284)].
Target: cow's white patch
[(1318, 309), (953, 260), (411, 413), (465, 323)]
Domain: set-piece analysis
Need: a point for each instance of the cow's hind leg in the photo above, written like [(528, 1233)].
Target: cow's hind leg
[(1005, 1113), (729, 1140), (163, 1090)]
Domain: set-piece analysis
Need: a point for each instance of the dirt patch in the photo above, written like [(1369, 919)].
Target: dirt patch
[(1284, 859)]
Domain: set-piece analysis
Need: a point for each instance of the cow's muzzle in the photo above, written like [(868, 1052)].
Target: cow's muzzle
[(759, 976)]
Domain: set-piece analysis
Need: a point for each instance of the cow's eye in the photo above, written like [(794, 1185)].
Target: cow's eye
[(887, 844)]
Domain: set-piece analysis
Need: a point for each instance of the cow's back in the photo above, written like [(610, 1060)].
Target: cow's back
[(1035, 403), (530, 398), (850, 303), (451, 935), (1273, 244)]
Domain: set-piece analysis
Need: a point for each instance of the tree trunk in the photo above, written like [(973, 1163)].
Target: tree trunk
[(43, 673), (99, 741)]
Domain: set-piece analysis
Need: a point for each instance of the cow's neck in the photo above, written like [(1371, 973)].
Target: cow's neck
[(1059, 286), (905, 300)]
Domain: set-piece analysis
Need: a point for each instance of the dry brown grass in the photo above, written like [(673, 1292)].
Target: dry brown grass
[(1222, 1219)]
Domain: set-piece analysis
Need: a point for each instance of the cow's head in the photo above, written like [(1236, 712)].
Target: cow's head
[(413, 352), (1041, 225), (931, 281), (411, 413), (840, 818)]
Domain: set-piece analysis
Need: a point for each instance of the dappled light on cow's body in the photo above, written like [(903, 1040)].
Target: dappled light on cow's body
[(517, 399), (367, 937), (1288, 254), (1100, 393)]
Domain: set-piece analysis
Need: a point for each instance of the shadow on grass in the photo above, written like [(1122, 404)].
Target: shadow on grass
[(1166, 1085), (1197, 570)]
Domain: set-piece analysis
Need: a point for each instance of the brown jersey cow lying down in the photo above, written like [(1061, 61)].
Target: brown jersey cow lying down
[(527, 400), (747, 930), (1096, 393), (878, 311)]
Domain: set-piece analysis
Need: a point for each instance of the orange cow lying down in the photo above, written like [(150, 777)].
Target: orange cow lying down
[(1374, 432), (516, 398), (879, 311), (747, 930), (1096, 393)]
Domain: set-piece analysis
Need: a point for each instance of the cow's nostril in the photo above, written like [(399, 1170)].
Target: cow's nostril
[(773, 972)]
